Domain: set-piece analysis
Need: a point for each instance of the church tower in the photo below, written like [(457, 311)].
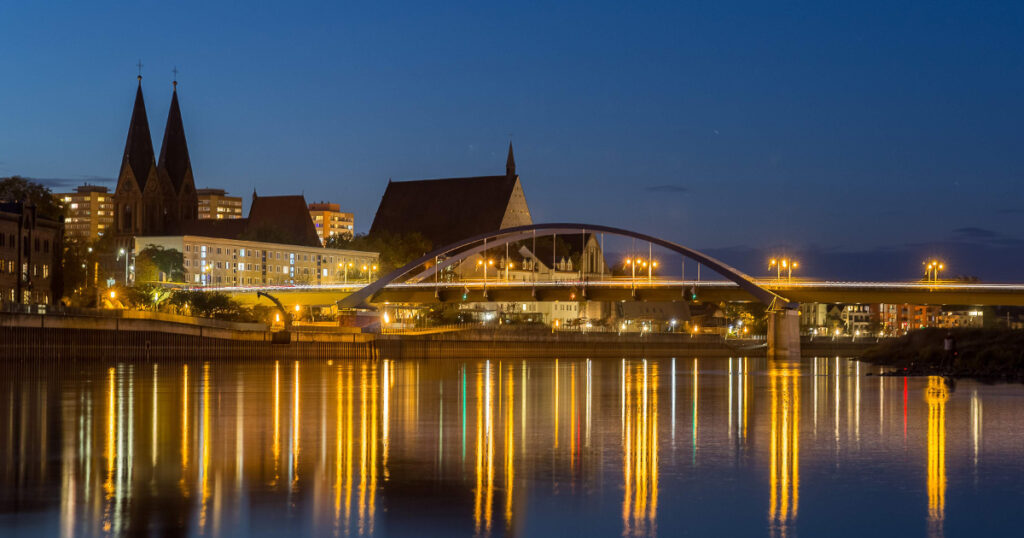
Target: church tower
[(138, 194), (175, 167), (510, 163)]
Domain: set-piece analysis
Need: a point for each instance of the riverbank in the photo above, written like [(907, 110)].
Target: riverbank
[(987, 354), (128, 335)]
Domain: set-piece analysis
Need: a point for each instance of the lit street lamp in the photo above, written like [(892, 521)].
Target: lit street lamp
[(931, 270), (121, 253), (783, 263)]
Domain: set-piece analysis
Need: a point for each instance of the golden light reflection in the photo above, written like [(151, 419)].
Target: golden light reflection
[(936, 395), (784, 466), (184, 427), (276, 447), (510, 446), (640, 450), (204, 450)]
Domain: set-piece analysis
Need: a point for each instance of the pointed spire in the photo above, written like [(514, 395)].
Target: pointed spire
[(510, 163), (174, 160), (138, 148)]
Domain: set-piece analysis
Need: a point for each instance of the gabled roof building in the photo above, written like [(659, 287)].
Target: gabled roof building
[(450, 209)]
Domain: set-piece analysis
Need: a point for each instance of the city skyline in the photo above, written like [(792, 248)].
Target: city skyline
[(626, 119)]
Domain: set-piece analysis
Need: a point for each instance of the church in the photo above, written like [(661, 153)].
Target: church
[(153, 195)]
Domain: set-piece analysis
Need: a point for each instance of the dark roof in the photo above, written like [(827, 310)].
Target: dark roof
[(138, 148), (287, 216), (220, 228), (272, 219), (174, 159), (444, 210)]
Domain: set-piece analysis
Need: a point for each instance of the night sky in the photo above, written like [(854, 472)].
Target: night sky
[(860, 138)]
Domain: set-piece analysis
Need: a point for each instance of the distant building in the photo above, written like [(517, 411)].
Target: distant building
[(152, 194), (900, 318), (30, 256), (329, 221), (90, 212), (960, 317), (216, 204), (447, 210), (275, 245), (857, 318)]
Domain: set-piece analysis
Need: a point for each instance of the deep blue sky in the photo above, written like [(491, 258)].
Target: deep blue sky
[(739, 127)]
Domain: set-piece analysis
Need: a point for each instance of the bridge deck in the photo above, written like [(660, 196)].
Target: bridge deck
[(657, 290)]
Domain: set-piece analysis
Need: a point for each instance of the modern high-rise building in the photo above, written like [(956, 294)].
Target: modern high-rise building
[(90, 212), (216, 204), (329, 220)]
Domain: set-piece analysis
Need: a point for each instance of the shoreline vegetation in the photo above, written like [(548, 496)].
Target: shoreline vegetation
[(983, 354)]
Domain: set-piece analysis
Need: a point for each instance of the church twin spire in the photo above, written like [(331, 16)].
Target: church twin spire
[(174, 162)]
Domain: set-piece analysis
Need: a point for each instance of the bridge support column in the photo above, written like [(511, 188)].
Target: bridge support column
[(784, 334)]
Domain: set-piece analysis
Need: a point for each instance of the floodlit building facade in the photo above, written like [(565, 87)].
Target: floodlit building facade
[(212, 261), (329, 221)]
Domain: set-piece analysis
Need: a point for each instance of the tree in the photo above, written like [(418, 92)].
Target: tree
[(153, 260), (19, 189), (395, 250), (205, 304)]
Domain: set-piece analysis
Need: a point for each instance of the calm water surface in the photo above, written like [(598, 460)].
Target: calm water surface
[(538, 447)]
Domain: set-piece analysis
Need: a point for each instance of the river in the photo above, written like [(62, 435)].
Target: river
[(442, 447)]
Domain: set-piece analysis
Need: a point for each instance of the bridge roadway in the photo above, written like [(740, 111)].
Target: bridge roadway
[(940, 293)]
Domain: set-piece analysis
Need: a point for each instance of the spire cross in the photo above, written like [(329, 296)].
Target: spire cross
[(175, 71), (139, 65)]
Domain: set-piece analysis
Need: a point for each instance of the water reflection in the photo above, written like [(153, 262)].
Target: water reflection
[(785, 445), (493, 447), (936, 395), (640, 449)]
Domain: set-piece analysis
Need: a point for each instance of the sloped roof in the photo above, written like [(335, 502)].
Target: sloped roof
[(174, 160), (444, 210), (282, 219), (286, 215), (220, 228), (138, 148)]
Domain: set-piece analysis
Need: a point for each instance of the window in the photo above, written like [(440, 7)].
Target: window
[(46, 271)]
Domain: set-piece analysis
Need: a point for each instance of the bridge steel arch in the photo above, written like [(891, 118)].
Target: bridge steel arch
[(504, 236)]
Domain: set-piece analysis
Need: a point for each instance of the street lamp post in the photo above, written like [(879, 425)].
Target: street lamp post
[(932, 268), (121, 253), (783, 263)]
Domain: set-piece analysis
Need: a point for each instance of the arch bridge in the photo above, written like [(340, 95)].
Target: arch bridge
[(783, 331)]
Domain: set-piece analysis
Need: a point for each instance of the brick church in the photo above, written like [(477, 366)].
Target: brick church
[(152, 195)]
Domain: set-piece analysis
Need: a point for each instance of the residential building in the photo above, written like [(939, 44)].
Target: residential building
[(856, 318), (216, 204), (960, 317), (153, 194), (900, 318), (218, 261), (30, 256), (90, 212), (275, 245), (329, 221), (447, 210), (814, 317)]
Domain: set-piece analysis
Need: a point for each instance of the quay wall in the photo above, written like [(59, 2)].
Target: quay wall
[(144, 335)]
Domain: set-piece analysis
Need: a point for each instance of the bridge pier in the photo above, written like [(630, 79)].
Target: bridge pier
[(784, 334)]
